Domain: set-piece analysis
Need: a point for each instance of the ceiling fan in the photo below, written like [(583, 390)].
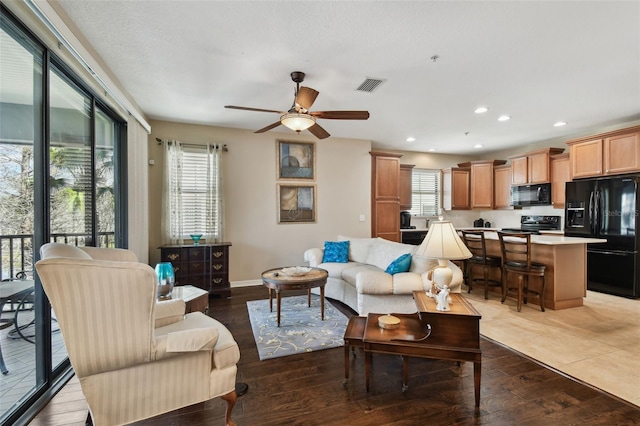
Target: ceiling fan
[(299, 118)]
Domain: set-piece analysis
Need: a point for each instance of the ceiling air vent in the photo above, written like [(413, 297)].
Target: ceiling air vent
[(370, 84)]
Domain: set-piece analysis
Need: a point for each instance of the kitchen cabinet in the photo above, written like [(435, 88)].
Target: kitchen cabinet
[(406, 171), (533, 167), (502, 187), (455, 188), (385, 195), (621, 153), (205, 266), (560, 175), (606, 154), (481, 194)]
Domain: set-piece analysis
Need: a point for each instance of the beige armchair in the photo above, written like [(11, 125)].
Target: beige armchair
[(135, 357)]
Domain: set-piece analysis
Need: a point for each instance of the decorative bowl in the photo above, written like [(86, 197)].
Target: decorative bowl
[(296, 271), (195, 238)]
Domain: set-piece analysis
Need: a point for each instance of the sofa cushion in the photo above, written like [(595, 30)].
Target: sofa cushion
[(358, 248), (383, 252), (335, 270), (401, 264), (349, 275), (336, 251), (420, 264)]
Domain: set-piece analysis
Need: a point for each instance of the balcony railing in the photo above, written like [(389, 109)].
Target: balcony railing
[(16, 251)]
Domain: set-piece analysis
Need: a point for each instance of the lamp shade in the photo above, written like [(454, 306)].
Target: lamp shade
[(442, 242), (297, 122)]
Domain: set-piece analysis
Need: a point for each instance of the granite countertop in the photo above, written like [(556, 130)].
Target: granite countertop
[(552, 240)]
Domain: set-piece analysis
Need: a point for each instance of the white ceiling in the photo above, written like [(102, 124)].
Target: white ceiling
[(538, 61)]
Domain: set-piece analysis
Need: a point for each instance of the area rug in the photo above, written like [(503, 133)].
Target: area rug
[(301, 327)]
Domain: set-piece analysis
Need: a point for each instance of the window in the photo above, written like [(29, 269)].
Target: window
[(194, 190), (192, 195), (61, 179), (425, 192)]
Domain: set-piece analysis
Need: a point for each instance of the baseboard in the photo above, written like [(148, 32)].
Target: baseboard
[(247, 283)]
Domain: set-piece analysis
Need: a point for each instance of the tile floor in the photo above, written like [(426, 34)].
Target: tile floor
[(598, 343)]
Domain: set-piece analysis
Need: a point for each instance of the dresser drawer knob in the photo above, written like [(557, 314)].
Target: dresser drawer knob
[(217, 267)]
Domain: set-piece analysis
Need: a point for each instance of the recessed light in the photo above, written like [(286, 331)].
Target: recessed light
[(481, 110), (411, 139), (560, 124), (504, 118), (431, 150), (478, 145)]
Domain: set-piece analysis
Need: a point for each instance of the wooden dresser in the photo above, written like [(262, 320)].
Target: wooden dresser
[(205, 266)]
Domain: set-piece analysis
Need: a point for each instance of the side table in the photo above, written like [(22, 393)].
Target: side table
[(452, 335), (195, 298)]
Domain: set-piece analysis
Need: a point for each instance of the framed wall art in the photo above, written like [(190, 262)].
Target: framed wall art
[(296, 203), (296, 160)]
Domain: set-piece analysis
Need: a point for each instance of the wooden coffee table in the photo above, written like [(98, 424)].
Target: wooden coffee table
[(453, 335), (274, 279)]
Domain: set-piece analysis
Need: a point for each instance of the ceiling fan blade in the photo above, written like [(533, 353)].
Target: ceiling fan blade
[(253, 109), (306, 97), (269, 127), (318, 131), (341, 115)]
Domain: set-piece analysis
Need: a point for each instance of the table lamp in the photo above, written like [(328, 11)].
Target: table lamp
[(443, 243)]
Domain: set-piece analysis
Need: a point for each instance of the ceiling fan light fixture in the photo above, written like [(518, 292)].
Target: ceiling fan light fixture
[(297, 122)]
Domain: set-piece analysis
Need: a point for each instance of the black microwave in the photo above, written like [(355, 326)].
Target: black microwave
[(531, 195)]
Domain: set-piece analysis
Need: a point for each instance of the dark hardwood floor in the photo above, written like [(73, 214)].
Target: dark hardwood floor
[(307, 389)]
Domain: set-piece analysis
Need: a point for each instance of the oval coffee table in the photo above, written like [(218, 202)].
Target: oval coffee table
[(275, 279)]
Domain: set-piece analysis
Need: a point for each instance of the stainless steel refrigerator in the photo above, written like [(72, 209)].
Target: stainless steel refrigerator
[(607, 208)]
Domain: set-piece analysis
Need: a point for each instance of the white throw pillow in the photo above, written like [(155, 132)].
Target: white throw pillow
[(358, 248), (383, 252)]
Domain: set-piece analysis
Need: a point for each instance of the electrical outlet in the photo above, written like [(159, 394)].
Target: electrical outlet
[(362, 218)]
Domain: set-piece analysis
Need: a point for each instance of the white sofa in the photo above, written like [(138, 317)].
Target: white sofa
[(362, 282)]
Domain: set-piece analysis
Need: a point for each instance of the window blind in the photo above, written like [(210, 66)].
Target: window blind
[(425, 192), (194, 190)]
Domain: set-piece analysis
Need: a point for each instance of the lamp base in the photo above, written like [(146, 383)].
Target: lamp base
[(440, 280)]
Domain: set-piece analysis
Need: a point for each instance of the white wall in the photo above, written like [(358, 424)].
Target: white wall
[(343, 182)]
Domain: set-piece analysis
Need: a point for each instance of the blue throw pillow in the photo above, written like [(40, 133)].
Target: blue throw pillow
[(336, 252), (401, 264)]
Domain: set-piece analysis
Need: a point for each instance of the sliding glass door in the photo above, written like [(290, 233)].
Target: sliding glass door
[(60, 151)]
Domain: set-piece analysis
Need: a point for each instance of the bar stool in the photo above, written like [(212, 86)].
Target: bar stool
[(516, 258), (475, 242)]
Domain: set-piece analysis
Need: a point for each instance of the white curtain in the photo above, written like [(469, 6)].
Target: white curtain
[(214, 231), (172, 194)]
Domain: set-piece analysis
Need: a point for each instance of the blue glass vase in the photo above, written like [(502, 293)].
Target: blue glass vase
[(166, 279)]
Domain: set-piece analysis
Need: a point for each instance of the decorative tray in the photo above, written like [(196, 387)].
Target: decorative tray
[(296, 271)]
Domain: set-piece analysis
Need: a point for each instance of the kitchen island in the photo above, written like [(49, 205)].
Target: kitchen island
[(565, 259)]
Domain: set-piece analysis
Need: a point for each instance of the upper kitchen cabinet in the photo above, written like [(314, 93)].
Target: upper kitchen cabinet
[(609, 153), (532, 167), (406, 171), (455, 188), (501, 187), (482, 185), (385, 195), (560, 175)]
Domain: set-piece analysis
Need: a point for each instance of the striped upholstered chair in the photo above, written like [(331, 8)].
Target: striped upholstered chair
[(135, 357)]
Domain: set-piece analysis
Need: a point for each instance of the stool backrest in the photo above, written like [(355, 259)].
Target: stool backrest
[(516, 249), (474, 240)]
